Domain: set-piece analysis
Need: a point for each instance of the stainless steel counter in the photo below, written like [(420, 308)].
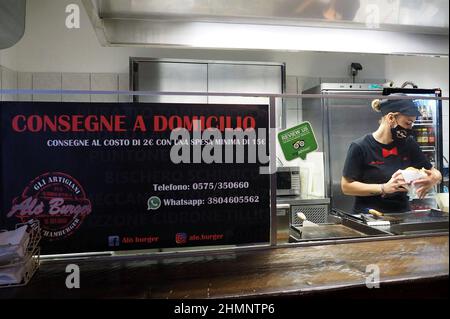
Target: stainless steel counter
[(299, 200), (409, 223), (353, 226)]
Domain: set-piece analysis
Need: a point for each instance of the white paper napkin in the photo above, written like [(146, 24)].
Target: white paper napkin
[(13, 244), (412, 175)]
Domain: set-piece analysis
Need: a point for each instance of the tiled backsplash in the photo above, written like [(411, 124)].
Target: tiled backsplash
[(10, 79)]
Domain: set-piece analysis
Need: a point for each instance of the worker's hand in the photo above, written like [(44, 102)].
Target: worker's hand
[(423, 185), (396, 184)]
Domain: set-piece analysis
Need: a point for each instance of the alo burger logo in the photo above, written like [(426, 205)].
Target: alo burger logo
[(57, 200)]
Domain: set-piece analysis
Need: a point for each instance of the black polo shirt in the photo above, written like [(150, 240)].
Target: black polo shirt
[(371, 162)]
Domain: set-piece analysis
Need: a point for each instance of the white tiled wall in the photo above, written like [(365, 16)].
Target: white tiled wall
[(8, 81), (104, 82), (47, 81), (66, 81), (124, 86), (76, 81), (25, 82)]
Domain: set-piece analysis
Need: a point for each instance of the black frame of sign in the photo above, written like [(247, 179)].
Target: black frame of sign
[(93, 193)]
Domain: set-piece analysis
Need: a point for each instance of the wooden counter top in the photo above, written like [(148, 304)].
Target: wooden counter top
[(265, 273)]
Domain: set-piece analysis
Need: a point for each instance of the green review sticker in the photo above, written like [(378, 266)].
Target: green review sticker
[(297, 141)]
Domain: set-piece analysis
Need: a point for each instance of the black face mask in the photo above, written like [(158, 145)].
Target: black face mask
[(400, 134)]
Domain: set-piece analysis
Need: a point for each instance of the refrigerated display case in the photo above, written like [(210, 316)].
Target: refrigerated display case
[(428, 127)]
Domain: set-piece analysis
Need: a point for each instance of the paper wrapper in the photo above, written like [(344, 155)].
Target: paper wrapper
[(412, 175)]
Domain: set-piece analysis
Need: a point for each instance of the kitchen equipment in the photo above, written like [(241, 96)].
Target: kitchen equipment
[(324, 231), (288, 181), (374, 221), (409, 217), (316, 212), (382, 216)]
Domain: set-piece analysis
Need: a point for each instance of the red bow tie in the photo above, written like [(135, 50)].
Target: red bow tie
[(390, 152)]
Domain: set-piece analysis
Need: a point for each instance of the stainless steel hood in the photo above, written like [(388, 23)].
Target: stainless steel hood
[(396, 26)]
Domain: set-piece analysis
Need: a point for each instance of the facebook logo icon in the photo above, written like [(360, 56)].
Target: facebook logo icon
[(113, 241)]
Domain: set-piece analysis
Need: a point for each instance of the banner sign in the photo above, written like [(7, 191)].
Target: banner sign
[(102, 176)]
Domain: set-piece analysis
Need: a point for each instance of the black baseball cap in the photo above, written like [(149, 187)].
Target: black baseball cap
[(405, 107)]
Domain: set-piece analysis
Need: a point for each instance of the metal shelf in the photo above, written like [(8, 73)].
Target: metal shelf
[(29, 263), (428, 148), (423, 122)]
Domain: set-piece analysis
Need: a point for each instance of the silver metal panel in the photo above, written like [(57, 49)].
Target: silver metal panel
[(313, 112), (47, 81), (380, 14), (242, 78), (273, 176), (292, 114), (377, 27), (306, 83), (445, 151), (172, 77), (350, 87), (335, 80), (292, 118), (300, 201), (25, 82), (104, 82), (347, 121), (283, 219), (336, 123), (175, 33), (445, 108), (76, 81), (317, 214), (291, 85), (445, 130), (9, 81), (375, 81)]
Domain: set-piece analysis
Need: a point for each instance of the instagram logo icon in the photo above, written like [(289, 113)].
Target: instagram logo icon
[(181, 238)]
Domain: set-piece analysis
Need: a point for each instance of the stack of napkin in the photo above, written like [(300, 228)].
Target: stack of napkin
[(13, 255)]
